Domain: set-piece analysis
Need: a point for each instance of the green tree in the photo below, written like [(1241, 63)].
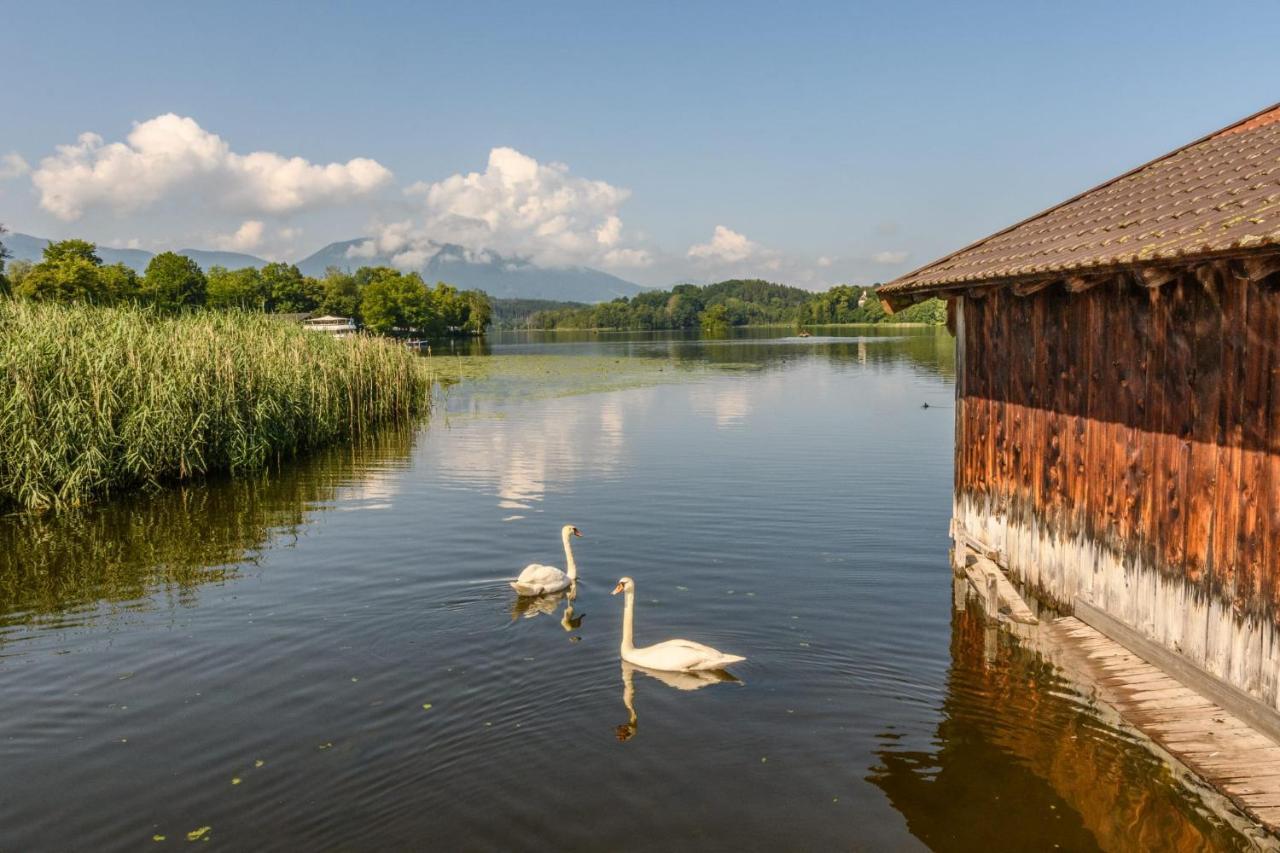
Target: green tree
[(715, 317), (291, 291), (16, 272), (242, 288), (4, 256), (72, 279), (684, 306), (341, 293), (71, 271), (450, 310), (479, 312), (119, 283), (393, 301), (173, 282), (67, 250)]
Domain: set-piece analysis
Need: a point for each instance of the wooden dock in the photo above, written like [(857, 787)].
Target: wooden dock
[(1240, 762), (1235, 754)]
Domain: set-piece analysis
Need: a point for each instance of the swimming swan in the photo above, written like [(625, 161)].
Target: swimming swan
[(671, 656), (537, 579)]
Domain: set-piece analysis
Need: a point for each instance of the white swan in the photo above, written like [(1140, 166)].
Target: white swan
[(671, 656), (537, 579)]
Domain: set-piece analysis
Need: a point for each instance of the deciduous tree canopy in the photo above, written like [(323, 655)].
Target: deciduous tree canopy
[(385, 300)]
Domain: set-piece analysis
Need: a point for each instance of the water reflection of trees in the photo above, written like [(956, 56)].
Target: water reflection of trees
[(929, 349), (176, 539), (1016, 760)]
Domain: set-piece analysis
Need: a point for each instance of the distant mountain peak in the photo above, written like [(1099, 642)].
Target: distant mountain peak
[(500, 276)]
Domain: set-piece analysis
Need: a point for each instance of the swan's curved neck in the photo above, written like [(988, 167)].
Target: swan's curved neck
[(568, 555), (629, 622)]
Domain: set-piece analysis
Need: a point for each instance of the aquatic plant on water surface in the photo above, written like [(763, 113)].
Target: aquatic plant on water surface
[(101, 399)]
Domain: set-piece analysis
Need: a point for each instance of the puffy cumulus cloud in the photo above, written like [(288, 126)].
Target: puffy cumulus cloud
[(519, 208), (246, 238), (172, 156), (725, 246), (889, 257), (12, 166)]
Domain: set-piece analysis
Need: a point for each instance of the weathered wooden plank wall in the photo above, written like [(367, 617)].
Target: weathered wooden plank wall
[(1141, 426)]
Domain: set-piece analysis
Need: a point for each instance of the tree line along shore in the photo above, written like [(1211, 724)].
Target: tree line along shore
[(381, 299), (736, 302)]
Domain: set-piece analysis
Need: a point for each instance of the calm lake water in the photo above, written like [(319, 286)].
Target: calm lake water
[(329, 656)]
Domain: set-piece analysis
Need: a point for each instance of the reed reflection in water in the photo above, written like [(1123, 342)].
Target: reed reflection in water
[(57, 568)]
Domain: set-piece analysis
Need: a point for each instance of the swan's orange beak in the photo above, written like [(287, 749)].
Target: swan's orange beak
[(619, 588), (577, 532)]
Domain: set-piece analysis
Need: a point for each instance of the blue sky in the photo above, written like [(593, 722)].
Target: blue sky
[(805, 142)]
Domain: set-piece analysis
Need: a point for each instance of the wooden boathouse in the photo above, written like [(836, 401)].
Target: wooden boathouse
[(1118, 405)]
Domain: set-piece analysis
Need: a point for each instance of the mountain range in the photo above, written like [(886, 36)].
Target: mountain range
[(500, 277)]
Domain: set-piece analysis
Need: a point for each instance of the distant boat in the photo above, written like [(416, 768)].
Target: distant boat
[(337, 326), (805, 333)]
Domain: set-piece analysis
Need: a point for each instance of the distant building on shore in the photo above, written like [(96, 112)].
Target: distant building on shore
[(1118, 403)]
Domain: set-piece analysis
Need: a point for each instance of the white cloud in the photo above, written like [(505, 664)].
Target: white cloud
[(725, 246), (731, 254), (172, 157), (517, 207), (13, 166), (895, 257), (246, 238)]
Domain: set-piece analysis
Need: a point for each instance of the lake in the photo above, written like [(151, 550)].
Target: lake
[(328, 656)]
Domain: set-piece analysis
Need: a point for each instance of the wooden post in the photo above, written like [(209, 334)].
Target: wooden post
[(993, 598)]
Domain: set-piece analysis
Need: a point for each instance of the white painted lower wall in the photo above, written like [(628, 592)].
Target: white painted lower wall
[(1240, 650)]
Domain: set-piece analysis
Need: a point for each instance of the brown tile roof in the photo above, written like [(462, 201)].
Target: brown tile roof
[(1219, 195)]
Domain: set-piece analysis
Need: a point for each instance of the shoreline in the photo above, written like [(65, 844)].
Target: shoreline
[(748, 326)]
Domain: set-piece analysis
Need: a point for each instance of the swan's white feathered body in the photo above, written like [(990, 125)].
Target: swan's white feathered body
[(537, 579), (679, 656), (671, 656)]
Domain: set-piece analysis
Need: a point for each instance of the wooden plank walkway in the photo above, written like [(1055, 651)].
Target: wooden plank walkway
[(1240, 762), (987, 578)]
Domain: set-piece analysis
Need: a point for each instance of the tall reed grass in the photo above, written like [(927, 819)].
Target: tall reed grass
[(95, 400)]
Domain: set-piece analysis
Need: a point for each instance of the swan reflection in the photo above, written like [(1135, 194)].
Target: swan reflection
[(530, 606), (676, 680)]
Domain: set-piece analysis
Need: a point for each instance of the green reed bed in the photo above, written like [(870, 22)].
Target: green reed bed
[(95, 400)]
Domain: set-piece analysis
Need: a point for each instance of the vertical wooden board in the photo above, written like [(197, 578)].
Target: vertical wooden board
[(1269, 506), (1099, 396), (1070, 336), (1227, 498), (1136, 472), (975, 356), (975, 359), (986, 463), (1178, 388), (1257, 355), (955, 317), (1040, 456), (1049, 376), (1079, 463), (998, 372), (1206, 394), (1154, 427), (1023, 388)]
